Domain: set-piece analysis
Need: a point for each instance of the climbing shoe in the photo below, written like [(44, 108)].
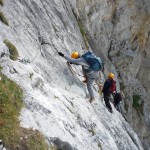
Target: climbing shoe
[(85, 81), (91, 100), (110, 111)]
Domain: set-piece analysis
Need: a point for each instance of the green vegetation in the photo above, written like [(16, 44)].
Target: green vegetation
[(34, 141), (1, 2), (10, 104), (136, 101), (92, 131), (14, 136), (137, 105), (1, 68), (31, 75), (99, 145), (82, 30), (3, 18), (52, 147), (12, 50)]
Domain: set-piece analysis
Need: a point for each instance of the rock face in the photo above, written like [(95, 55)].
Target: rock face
[(119, 30), (55, 100)]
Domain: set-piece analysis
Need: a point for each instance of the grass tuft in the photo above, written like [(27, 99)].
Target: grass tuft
[(10, 104), (14, 136), (1, 2), (137, 105), (99, 146), (53, 147), (136, 99), (1, 68), (83, 33), (92, 131), (12, 50), (3, 18), (31, 75), (34, 141)]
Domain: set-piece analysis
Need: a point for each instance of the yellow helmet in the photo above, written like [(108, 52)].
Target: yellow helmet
[(75, 55), (111, 75)]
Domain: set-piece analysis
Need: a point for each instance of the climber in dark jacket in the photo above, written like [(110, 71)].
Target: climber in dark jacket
[(108, 89)]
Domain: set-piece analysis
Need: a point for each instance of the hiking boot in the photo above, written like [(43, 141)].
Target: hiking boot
[(91, 100), (85, 81), (110, 111)]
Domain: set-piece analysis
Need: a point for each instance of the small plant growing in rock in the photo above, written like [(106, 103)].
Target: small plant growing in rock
[(136, 101), (3, 18), (34, 140), (99, 145), (53, 147), (31, 75), (1, 2), (1, 68), (11, 104), (12, 50), (83, 33), (92, 131), (137, 105)]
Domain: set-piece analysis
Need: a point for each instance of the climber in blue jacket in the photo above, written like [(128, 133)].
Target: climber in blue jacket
[(91, 75)]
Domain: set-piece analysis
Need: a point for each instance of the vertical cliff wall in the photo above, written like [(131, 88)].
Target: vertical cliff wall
[(119, 31)]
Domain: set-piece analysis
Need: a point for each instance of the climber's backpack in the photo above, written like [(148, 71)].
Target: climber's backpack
[(117, 98), (113, 86), (94, 61)]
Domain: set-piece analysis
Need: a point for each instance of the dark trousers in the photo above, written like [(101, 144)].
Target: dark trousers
[(107, 101)]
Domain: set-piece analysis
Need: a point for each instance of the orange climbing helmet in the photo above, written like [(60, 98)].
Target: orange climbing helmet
[(75, 55), (111, 76)]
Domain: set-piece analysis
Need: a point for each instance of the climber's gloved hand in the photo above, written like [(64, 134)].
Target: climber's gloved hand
[(69, 62), (61, 54)]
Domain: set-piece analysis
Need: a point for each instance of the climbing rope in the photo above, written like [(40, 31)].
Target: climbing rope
[(68, 63), (40, 39), (24, 61)]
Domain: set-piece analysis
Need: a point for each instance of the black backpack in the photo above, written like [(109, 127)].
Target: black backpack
[(117, 98)]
